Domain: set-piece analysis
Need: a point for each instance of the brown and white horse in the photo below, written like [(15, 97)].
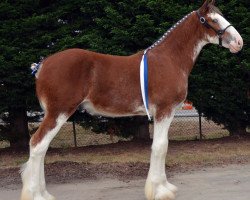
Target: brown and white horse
[(110, 85)]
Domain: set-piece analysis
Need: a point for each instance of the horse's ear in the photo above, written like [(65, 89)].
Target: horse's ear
[(209, 2), (205, 7)]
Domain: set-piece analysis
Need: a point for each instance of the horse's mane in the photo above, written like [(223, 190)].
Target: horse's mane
[(213, 8)]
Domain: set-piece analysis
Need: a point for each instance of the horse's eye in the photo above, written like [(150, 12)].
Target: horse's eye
[(215, 20)]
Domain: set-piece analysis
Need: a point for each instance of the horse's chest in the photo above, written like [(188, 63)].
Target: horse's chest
[(181, 94), (181, 86), (173, 88)]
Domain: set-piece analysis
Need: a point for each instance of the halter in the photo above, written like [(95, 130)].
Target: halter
[(219, 32)]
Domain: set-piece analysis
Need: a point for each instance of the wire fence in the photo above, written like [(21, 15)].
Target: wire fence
[(186, 125), (195, 127)]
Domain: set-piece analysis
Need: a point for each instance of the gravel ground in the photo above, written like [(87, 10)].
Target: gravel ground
[(216, 183)]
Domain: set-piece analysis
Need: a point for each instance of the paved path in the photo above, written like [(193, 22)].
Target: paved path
[(232, 182)]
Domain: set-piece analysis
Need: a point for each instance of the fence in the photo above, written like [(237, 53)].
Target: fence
[(189, 125), (186, 125)]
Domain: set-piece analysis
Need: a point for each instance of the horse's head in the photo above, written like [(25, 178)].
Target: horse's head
[(217, 29)]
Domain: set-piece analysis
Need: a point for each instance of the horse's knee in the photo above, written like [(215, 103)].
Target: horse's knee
[(160, 148)]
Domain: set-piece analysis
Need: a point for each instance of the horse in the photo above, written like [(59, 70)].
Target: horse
[(110, 86)]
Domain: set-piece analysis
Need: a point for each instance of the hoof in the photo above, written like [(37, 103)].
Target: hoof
[(172, 187), (48, 196), (39, 198), (163, 193), (149, 190), (26, 195), (160, 191)]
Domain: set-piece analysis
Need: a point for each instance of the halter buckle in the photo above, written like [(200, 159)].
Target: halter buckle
[(220, 32), (202, 20)]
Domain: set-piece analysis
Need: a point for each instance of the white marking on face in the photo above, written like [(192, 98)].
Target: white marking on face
[(221, 21), (234, 41)]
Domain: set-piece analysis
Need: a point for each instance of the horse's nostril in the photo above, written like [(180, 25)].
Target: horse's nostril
[(240, 43)]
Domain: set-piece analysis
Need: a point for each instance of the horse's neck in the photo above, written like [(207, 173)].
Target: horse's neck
[(183, 44)]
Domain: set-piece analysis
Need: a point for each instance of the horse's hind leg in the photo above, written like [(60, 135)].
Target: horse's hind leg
[(32, 172), (42, 183)]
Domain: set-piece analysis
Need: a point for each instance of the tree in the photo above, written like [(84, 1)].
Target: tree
[(28, 30), (14, 75), (33, 29)]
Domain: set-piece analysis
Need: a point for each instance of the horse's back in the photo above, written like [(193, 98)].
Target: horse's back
[(73, 75)]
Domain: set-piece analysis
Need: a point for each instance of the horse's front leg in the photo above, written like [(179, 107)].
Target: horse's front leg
[(157, 187)]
